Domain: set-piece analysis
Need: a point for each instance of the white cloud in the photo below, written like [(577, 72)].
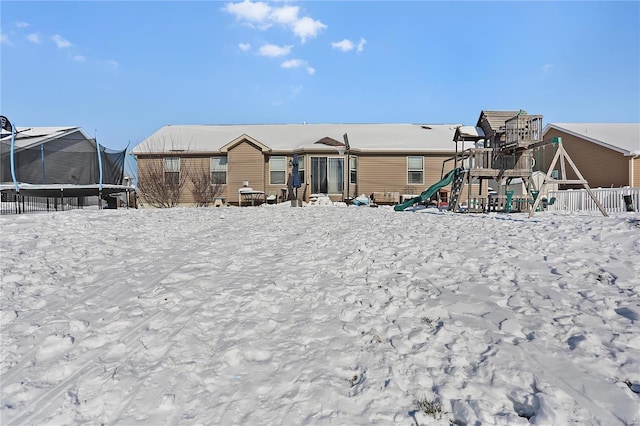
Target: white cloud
[(113, 64), (22, 24), (347, 45), (245, 47), (307, 28), (273, 51), (4, 39), (293, 63), (252, 12), (546, 68), (285, 14), (34, 38), (261, 15), (361, 44), (60, 42), (344, 45), (298, 63), (79, 58)]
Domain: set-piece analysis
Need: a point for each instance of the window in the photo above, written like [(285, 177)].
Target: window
[(327, 175), (415, 170), (219, 170), (353, 169), (301, 168), (172, 170), (278, 170)]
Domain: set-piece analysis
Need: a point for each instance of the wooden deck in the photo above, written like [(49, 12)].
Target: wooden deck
[(494, 173), (487, 163)]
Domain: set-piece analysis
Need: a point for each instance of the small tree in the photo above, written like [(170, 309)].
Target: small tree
[(205, 187), (161, 180)]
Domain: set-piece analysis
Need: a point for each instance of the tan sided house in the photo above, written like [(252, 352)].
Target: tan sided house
[(607, 154), (386, 161)]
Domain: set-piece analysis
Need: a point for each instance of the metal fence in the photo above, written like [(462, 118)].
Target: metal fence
[(12, 203), (612, 199)]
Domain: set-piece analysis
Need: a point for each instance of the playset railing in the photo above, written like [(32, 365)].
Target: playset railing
[(522, 130)]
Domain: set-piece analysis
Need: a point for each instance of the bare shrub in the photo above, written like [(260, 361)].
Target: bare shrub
[(204, 187), (161, 179)]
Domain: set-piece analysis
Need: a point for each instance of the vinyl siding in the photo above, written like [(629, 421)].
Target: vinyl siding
[(198, 166), (378, 173), (388, 173), (600, 166), (277, 188), (191, 164), (154, 165), (245, 161), (143, 165), (636, 173)]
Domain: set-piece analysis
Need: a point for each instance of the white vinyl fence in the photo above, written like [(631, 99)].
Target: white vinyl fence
[(612, 199)]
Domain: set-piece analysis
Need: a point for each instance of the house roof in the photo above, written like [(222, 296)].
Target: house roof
[(27, 137), (495, 120), (292, 137), (621, 137), (468, 133)]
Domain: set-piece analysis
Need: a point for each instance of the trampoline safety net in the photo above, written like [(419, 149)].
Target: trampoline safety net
[(71, 159)]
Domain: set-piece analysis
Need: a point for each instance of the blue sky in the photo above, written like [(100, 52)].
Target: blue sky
[(121, 70)]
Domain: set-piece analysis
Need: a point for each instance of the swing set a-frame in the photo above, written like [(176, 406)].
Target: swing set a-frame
[(562, 156)]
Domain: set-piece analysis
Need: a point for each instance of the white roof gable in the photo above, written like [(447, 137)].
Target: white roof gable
[(289, 137), (621, 137)]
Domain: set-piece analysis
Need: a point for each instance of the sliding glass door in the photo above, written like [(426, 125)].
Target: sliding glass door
[(335, 173), (327, 175), (318, 175)]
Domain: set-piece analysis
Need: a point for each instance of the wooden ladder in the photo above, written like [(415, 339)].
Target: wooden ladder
[(456, 190)]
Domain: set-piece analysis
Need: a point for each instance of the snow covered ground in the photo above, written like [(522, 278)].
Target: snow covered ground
[(319, 315)]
